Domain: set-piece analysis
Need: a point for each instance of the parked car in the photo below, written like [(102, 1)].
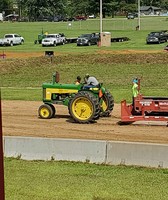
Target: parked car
[(157, 37), (80, 17), (59, 18), (88, 39), (71, 19), (130, 16), (11, 39), (91, 16), (53, 39)]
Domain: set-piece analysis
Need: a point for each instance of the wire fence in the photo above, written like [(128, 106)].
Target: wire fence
[(146, 23)]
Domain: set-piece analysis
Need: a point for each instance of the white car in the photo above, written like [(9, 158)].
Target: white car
[(53, 40), (11, 39), (91, 16)]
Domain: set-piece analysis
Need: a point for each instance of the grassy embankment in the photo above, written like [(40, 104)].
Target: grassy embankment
[(22, 78)]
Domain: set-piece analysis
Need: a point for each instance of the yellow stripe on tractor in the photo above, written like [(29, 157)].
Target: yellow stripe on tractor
[(50, 91)]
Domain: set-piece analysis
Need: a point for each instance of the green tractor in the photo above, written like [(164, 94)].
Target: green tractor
[(85, 105), (40, 37)]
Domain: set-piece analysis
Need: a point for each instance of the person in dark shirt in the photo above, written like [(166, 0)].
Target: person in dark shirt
[(78, 80)]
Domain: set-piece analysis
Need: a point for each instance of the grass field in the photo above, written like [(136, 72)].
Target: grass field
[(114, 70), (22, 78), (118, 27), (38, 180)]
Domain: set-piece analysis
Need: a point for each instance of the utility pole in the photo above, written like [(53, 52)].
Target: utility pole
[(139, 21), (101, 29)]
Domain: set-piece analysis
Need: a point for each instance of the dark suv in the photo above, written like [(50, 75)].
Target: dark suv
[(88, 39), (157, 37), (131, 15)]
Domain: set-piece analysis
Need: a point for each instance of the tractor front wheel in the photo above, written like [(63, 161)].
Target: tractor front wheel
[(46, 111), (84, 108), (53, 109)]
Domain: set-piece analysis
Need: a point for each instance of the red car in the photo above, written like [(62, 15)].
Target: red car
[(81, 17)]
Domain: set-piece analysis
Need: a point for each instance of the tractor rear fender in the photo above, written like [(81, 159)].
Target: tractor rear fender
[(103, 89)]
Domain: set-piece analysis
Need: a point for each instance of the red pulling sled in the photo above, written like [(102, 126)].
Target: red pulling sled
[(145, 108)]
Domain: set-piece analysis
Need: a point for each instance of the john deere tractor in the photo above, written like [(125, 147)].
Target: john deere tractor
[(40, 37), (85, 105)]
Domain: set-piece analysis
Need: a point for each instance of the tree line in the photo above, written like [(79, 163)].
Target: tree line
[(34, 9)]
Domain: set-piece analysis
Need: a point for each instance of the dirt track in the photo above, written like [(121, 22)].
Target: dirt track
[(20, 118)]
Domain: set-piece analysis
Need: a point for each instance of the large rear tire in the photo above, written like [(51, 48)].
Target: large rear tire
[(106, 104), (84, 107)]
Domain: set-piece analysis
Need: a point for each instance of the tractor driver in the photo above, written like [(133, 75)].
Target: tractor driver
[(90, 81)]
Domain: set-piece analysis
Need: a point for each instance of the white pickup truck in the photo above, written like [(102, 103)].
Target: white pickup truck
[(53, 40), (11, 39)]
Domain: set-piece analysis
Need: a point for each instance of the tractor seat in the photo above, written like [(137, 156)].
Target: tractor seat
[(91, 87)]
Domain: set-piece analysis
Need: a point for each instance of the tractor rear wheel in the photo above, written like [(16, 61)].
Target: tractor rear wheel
[(46, 111), (84, 107), (106, 104)]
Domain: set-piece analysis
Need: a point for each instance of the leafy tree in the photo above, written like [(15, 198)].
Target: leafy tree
[(165, 4), (40, 8), (6, 6), (94, 7), (79, 7), (35, 9), (111, 8)]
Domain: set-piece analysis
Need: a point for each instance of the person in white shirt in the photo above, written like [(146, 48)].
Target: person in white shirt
[(91, 81)]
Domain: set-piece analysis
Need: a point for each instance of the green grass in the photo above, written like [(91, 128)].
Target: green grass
[(22, 78), (38, 180)]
